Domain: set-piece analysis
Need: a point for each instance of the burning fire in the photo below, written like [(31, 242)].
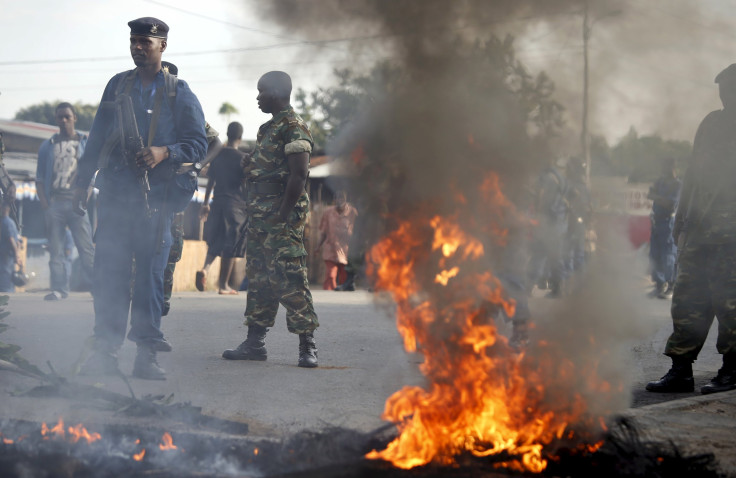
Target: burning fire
[(483, 397), (168, 442), (76, 433)]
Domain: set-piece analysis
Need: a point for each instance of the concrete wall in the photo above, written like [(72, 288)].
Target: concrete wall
[(192, 260)]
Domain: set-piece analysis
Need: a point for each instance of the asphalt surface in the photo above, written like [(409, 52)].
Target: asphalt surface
[(362, 362)]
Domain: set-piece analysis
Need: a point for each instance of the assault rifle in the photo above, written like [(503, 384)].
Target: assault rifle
[(131, 143)]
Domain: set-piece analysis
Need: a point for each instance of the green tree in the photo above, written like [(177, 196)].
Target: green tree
[(329, 111), (600, 157), (640, 157), (227, 110), (45, 113)]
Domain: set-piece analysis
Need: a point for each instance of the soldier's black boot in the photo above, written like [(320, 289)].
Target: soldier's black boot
[(146, 366), (679, 379), (349, 284), (726, 378), (165, 309), (307, 350), (253, 348)]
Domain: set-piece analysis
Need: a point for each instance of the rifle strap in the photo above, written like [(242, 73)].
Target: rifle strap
[(127, 85), (154, 118)]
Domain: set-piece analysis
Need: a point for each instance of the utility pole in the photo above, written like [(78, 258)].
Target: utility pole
[(584, 140), (584, 136)]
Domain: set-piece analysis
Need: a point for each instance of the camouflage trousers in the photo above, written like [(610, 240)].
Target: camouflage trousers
[(276, 278), (705, 287), (177, 245)]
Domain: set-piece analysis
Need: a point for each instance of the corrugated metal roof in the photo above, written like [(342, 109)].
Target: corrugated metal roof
[(28, 128)]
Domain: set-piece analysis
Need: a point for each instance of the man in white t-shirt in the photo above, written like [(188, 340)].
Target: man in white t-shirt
[(56, 172)]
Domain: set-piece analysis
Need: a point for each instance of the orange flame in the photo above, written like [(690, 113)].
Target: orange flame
[(79, 432), (168, 442), (57, 430), (139, 456), (76, 433), (8, 441), (482, 397)]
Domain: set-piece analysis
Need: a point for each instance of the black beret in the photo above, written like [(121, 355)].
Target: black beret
[(727, 75), (148, 27)]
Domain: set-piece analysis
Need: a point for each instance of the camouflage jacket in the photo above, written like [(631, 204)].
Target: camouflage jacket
[(707, 208), (285, 134)]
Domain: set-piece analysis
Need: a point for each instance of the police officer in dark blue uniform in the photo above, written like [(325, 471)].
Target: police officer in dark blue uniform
[(133, 234), (665, 193)]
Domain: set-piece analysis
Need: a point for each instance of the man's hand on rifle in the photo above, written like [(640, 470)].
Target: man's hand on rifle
[(149, 158), (79, 201)]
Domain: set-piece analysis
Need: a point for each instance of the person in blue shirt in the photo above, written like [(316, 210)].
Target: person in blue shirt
[(56, 173), (9, 248), (547, 261), (665, 193), (133, 235)]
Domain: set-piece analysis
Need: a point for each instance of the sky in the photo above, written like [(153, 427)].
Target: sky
[(652, 62), (47, 34)]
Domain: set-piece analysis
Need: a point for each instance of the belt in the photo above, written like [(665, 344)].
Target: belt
[(265, 188)]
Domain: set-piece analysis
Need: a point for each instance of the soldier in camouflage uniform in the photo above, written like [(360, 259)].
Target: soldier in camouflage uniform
[(705, 231), (214, 145), (277, 213)]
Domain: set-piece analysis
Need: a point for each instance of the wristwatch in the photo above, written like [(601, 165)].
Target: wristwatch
[(197, 167)]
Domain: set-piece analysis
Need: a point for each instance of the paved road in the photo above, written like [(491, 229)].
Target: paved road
[(360, 353), (361, 362), (361, 358)]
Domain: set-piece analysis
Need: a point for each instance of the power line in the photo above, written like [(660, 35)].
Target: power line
[(217, 20), (117, 58), (316, 43)]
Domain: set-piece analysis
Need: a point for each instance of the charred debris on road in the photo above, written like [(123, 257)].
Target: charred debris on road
[(30, 449)]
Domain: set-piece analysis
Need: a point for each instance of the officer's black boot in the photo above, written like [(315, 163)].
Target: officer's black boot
[(307, 350), (679, 379), (726, 378), (253, 348), (146, 366), (101, 362)]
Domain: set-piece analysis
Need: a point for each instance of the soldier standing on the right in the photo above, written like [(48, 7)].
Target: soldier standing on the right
[(705, 232)]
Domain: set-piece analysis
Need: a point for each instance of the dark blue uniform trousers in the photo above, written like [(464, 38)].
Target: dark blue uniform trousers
[(129, 246)]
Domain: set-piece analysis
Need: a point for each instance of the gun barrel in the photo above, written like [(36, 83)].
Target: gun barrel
[(132, 144)]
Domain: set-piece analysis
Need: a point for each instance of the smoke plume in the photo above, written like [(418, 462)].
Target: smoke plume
[(433, 141)]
